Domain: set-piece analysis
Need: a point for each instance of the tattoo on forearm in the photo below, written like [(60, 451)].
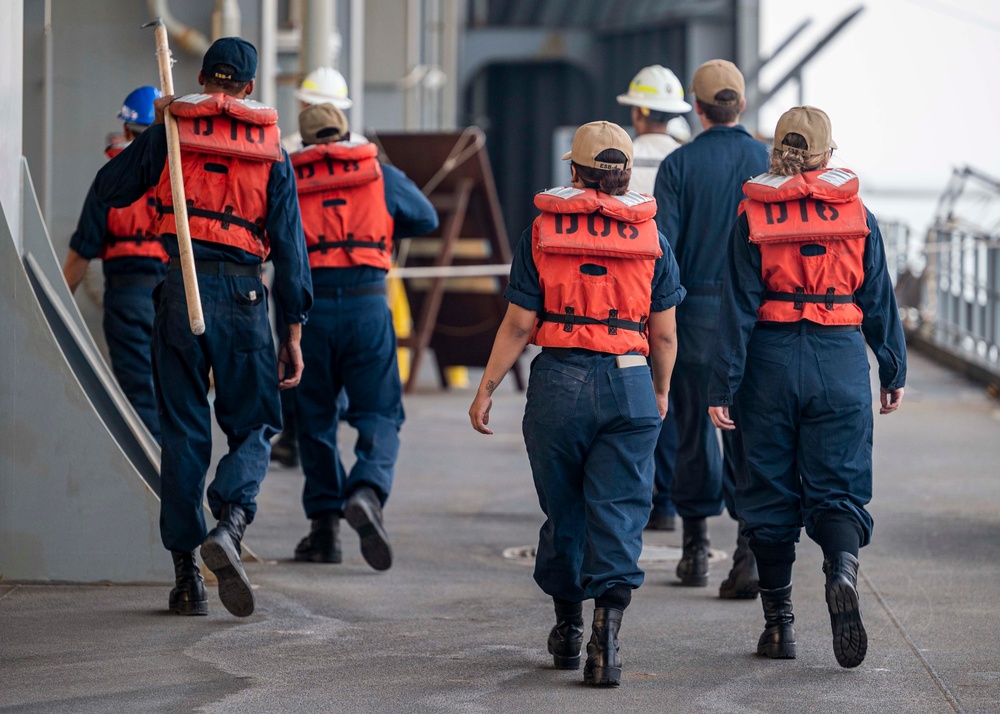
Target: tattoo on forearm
[(490, 386)]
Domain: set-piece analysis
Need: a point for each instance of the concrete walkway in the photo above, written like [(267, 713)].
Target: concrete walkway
[(455, 627)]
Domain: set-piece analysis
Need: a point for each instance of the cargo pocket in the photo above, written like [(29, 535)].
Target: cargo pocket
[(763, 384), (251, 330), (844, 371), (553, 392), (634, 394)]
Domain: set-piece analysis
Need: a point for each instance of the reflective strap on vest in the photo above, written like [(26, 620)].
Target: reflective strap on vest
[(799, 297), (226, 217), (612, 322), (350, 244)]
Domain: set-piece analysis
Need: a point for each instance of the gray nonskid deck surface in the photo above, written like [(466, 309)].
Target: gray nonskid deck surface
[(453, 627)]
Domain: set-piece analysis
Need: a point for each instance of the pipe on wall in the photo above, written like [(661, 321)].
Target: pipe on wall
[(268, 52), (187, 38), (226, 19)]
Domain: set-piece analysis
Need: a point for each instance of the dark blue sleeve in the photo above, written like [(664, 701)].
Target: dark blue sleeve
[(881, 324), (666, 191), (412, 213), (91, 228), (524, 289), (126, 178), (742, 294), (292, 279), (667, 289)]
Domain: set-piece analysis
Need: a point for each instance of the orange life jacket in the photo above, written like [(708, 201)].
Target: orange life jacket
[(131, 231), (342, 200), (595, 256), (811, 230), (228, 146)]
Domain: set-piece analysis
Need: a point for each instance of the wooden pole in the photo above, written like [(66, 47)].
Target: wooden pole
[(163, 56)]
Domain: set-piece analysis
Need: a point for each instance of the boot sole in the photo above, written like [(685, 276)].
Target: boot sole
[(234, 586), (375, 546), (850, 641), (560, 662), (782, 651), (744, 593), (191, 608), (696, 582), (603, 677)]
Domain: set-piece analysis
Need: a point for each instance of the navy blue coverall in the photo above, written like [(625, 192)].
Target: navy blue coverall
[(237, 347), (350, 342), (128, 310), (590, 430), (805, 399), (698, 189)]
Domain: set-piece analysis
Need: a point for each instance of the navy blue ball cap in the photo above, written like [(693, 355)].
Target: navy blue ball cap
[(235, 52)]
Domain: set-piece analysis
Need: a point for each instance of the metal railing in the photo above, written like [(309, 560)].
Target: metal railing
[(948, 290)]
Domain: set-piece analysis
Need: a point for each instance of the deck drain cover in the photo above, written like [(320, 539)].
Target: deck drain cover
[(653, 556)]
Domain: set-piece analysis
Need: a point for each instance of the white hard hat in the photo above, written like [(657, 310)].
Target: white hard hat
[(656, 88), (679, 129), (324, 85)]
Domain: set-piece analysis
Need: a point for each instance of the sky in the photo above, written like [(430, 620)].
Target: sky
[(910, 86)]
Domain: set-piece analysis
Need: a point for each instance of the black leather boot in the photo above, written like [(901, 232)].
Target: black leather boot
[(778, 639), (741, 583), (221, 553), (364, 514), (850, 641), (693, 568), (604, 666), (188, 595), (566, 637), (286, 449), (322, 545)]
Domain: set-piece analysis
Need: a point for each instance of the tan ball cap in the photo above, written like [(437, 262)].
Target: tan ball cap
[(715, 76), (597, 136), (812, 124), (322, 123)]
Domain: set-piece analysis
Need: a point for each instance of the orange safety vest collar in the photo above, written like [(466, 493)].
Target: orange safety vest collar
[(342, 200), (811, 230), (228, 147), (595, 255)]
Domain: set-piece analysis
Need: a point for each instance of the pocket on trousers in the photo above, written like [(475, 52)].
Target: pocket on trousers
[(553, 392), (764, 385), (634, 394), (845, 374), (251, 330)]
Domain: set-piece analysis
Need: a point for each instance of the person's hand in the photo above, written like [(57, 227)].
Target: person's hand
[(159, 105), (662, 400), (479, 412), (720, 417), (290, 364), (891, 399)]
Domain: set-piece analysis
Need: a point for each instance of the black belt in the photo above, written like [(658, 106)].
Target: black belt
[(217, 267), (805, 327), (132, 281), (349, 292), (561, 353)]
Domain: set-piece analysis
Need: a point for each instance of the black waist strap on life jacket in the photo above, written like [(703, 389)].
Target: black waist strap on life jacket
[(137, 239), (569, 318), (800, 297), (348, 244), (226, 217)]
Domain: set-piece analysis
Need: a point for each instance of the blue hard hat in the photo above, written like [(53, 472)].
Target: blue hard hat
[(138, 106)]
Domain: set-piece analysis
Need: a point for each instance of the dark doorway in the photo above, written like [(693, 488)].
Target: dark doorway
[(519, 105)]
